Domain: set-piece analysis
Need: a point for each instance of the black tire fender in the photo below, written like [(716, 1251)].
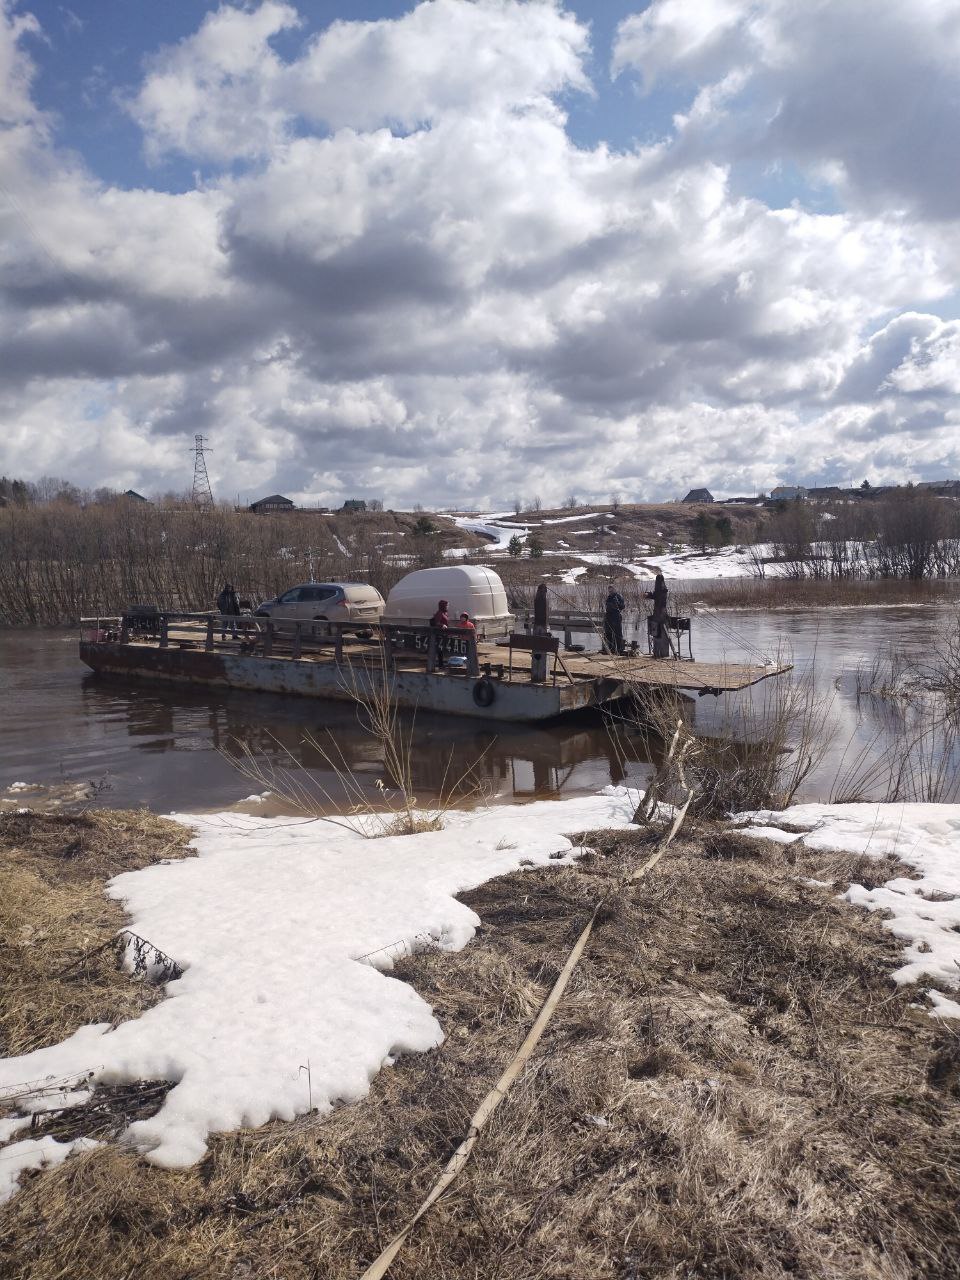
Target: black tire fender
[(484, 692)]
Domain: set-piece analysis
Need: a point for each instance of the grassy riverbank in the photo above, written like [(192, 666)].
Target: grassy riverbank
[(733, 1086), (57, 970)]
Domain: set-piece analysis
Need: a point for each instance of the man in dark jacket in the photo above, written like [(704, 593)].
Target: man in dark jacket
[(613, 622), (658, 626), (441, 620), (228, 605)]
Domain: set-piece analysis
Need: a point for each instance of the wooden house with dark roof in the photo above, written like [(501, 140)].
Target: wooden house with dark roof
[(272, 505)]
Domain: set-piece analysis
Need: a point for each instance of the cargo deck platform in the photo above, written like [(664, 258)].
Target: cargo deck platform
[(528, 680)]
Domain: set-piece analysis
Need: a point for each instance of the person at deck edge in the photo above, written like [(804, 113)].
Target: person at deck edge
[(613, 621), (228, 605), (658, 626), (659, 593), (440, 620)]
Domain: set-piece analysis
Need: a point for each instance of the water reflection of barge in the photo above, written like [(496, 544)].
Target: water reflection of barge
[(522, 678)]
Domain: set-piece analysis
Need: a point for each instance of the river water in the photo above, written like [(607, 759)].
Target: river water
[(172, 749)]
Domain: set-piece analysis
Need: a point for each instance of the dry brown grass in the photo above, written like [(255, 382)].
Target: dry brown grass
[(733, 1088), (57, 970), (816, 593)]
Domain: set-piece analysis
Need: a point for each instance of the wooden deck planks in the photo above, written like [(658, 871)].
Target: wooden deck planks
[(665, 673)]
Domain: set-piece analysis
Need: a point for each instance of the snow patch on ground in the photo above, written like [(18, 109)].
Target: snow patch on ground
[(34, 1153), (726, 562), (587, 515), (489, 527), (285, 931), (924, 913), (11, 1126)]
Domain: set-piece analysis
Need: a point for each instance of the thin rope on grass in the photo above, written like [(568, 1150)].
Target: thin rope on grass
[(379, 1268)]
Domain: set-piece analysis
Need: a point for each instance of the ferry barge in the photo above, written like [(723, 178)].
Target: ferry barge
[(522, 677)]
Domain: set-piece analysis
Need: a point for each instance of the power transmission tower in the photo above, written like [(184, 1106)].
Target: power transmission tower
[(202, 494)]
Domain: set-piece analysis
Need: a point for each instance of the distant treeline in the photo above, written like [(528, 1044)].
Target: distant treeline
[(60, 561), (24, 493), (905, 534)]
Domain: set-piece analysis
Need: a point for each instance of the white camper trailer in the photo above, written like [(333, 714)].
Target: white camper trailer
[(466, 588)]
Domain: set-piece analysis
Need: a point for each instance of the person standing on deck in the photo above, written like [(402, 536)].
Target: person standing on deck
[(659, 627), (440, 620), (228, 605), (613, 622), (659, 594)]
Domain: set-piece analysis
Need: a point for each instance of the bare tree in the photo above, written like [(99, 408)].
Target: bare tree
[(792, 535), (911, 524)]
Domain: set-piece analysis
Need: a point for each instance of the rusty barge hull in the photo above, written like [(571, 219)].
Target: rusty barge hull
[(446, 693)]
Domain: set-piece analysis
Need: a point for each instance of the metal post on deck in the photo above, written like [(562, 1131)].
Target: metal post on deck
[(268, 638), (473, 658), (432, 652), (164, 632), (208, 644), (338, 646), (296, 648), (538, 661)]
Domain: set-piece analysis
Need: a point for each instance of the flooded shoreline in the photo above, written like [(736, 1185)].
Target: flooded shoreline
[(170, 748)]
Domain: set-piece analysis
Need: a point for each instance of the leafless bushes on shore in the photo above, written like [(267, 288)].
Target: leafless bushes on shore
[(60, 561), (907, 533), (757, 756), (819, 593)]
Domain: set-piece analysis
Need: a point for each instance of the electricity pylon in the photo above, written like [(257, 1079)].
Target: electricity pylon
[(202, 495)]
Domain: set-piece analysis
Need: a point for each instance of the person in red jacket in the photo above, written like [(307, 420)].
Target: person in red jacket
[(465, 622)]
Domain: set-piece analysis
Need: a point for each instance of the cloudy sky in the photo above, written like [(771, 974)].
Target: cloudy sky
[(464, 250)]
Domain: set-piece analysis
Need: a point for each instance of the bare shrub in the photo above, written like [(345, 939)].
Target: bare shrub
[(911, 524), (763, 751), (395, 810)]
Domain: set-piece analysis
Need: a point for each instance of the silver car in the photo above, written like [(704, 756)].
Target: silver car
[(326, 602)]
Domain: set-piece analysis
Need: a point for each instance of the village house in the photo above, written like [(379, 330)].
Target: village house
[(270, 506)]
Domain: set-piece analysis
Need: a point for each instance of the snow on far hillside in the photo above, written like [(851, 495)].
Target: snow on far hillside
[(285, 931), (925, 913), (726, 562), (490, 527), (586, 515)]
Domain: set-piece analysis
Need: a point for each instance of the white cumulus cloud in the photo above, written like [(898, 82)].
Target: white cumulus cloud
[(401, 275)]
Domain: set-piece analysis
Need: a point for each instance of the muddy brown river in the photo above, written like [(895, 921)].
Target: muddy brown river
[(171, 748)]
